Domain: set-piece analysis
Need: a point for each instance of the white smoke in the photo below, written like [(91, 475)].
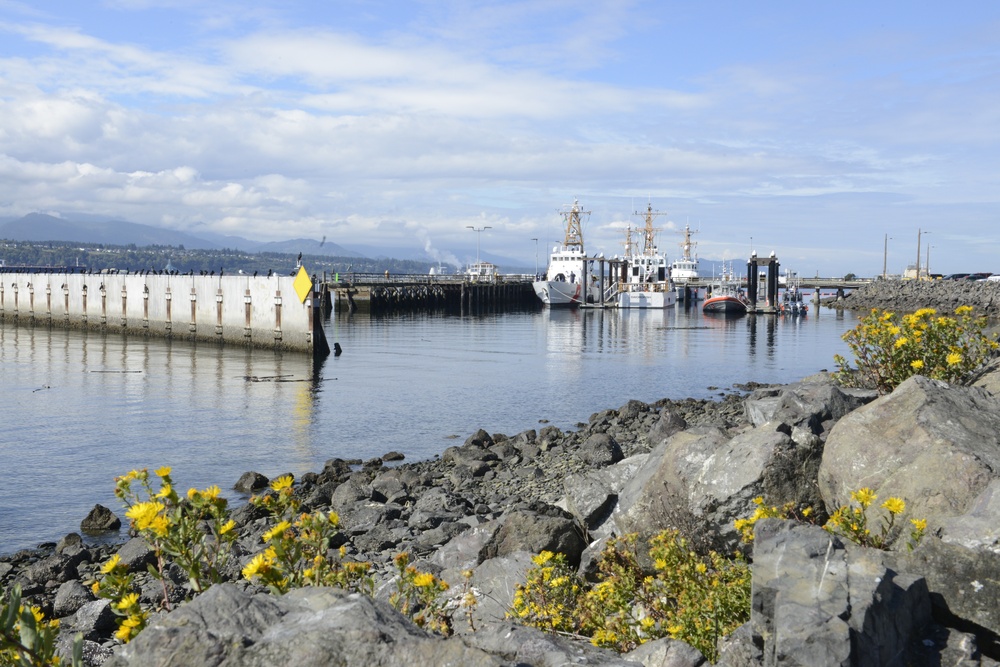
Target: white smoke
[(441, 257)]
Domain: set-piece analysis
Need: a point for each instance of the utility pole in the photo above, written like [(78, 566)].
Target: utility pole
[(536, 257), (885, 255)]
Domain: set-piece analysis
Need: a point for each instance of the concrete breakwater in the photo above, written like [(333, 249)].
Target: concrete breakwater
[(254, 311)]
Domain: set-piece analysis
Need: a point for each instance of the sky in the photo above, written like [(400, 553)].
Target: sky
[(836, 135)]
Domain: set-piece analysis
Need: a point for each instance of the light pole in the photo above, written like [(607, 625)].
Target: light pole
[(927, 264), (478, 231), (918, 251), (885, 255), (536, 257)]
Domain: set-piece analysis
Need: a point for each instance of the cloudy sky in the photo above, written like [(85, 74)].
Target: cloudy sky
[(811, 129)]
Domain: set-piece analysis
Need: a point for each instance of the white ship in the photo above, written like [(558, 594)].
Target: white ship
[(647, 281), (567, 272), (684, 269)]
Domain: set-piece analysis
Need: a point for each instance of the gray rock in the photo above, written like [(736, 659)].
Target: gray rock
[(100, 519), (70, 597), (521, 646), (670, 421), (539, 528), (136, 554), (601, 449), (816, 601), (493, 583), (933, 445), (93, 620), (667, 653), (308, 627), (592, 496), (251, 481), (811, 404)]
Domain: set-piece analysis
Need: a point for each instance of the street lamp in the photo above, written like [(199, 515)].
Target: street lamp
[(927, 264), (536, 257), (918, 251), (885, 255), (478, 231)]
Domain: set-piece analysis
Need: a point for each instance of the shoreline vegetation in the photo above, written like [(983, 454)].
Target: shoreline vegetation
[(474, 522)]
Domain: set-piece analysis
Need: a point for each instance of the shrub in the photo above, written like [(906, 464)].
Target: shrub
[(686, 596), (849, 521), (889, 348), (299, 548), (27, 639)]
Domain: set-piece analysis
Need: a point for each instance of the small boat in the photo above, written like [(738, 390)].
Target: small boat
[(726, 296), (646, 283), (684, 270), (791, 301), (567, 272)]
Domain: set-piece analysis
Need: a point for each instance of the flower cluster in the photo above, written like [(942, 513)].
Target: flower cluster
[(27, 638), (116, 584), (299, 551), (195, 532), (686, 596), (889, 348), (851, 521), (418, 595), (762, 511)]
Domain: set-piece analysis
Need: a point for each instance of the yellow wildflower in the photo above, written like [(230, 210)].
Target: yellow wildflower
[(919, 524), (143, 514), (212, 492), (917, 364), (542, 558), (954, 358), (257, 565), (962, 310), (900, 342), (127, 601), (192, 494), (894, 505), (164, 492), (279, 529), (423, 580), (226, 527), (163, 472), (282, 482), (111, 564), (864, 497), (701, 568)]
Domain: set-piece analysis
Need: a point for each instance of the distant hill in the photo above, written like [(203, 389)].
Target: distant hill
[(39, 228)]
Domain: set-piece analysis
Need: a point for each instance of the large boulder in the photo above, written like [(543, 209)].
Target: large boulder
[(818, 601), (931, 444), (538, 527), (701, 481), (938, 448), (815, 403), (308, 627), (591, 496)]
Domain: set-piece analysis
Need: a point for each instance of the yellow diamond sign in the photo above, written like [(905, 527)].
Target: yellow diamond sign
[(303, 284)]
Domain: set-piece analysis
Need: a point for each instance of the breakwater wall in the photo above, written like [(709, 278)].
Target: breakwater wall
[(252, 311)]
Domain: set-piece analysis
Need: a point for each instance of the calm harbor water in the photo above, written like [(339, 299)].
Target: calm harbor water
[(80, 408)]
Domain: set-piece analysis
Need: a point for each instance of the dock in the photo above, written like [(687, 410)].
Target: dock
[(458, 294)]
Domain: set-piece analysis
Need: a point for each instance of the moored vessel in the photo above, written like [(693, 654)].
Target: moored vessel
[(646, 283), (566, 281), (726, 296), (684, 270)]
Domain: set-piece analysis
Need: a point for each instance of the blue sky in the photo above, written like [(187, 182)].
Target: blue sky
[(810, 129)]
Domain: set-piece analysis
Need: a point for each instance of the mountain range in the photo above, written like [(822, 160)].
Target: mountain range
[(84, 228)]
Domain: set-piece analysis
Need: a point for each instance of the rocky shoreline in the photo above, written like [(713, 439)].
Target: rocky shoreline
[(910, 295), (488, 504)]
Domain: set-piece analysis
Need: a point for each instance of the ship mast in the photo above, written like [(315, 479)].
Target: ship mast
[(649, 232), (574, 230), (687, 245), (628, 243)]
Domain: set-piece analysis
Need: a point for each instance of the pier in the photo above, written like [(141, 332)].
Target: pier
[(379, 293), (270, 312)]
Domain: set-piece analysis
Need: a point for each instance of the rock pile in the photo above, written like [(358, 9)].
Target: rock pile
[(910, 295), (696, 466)]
